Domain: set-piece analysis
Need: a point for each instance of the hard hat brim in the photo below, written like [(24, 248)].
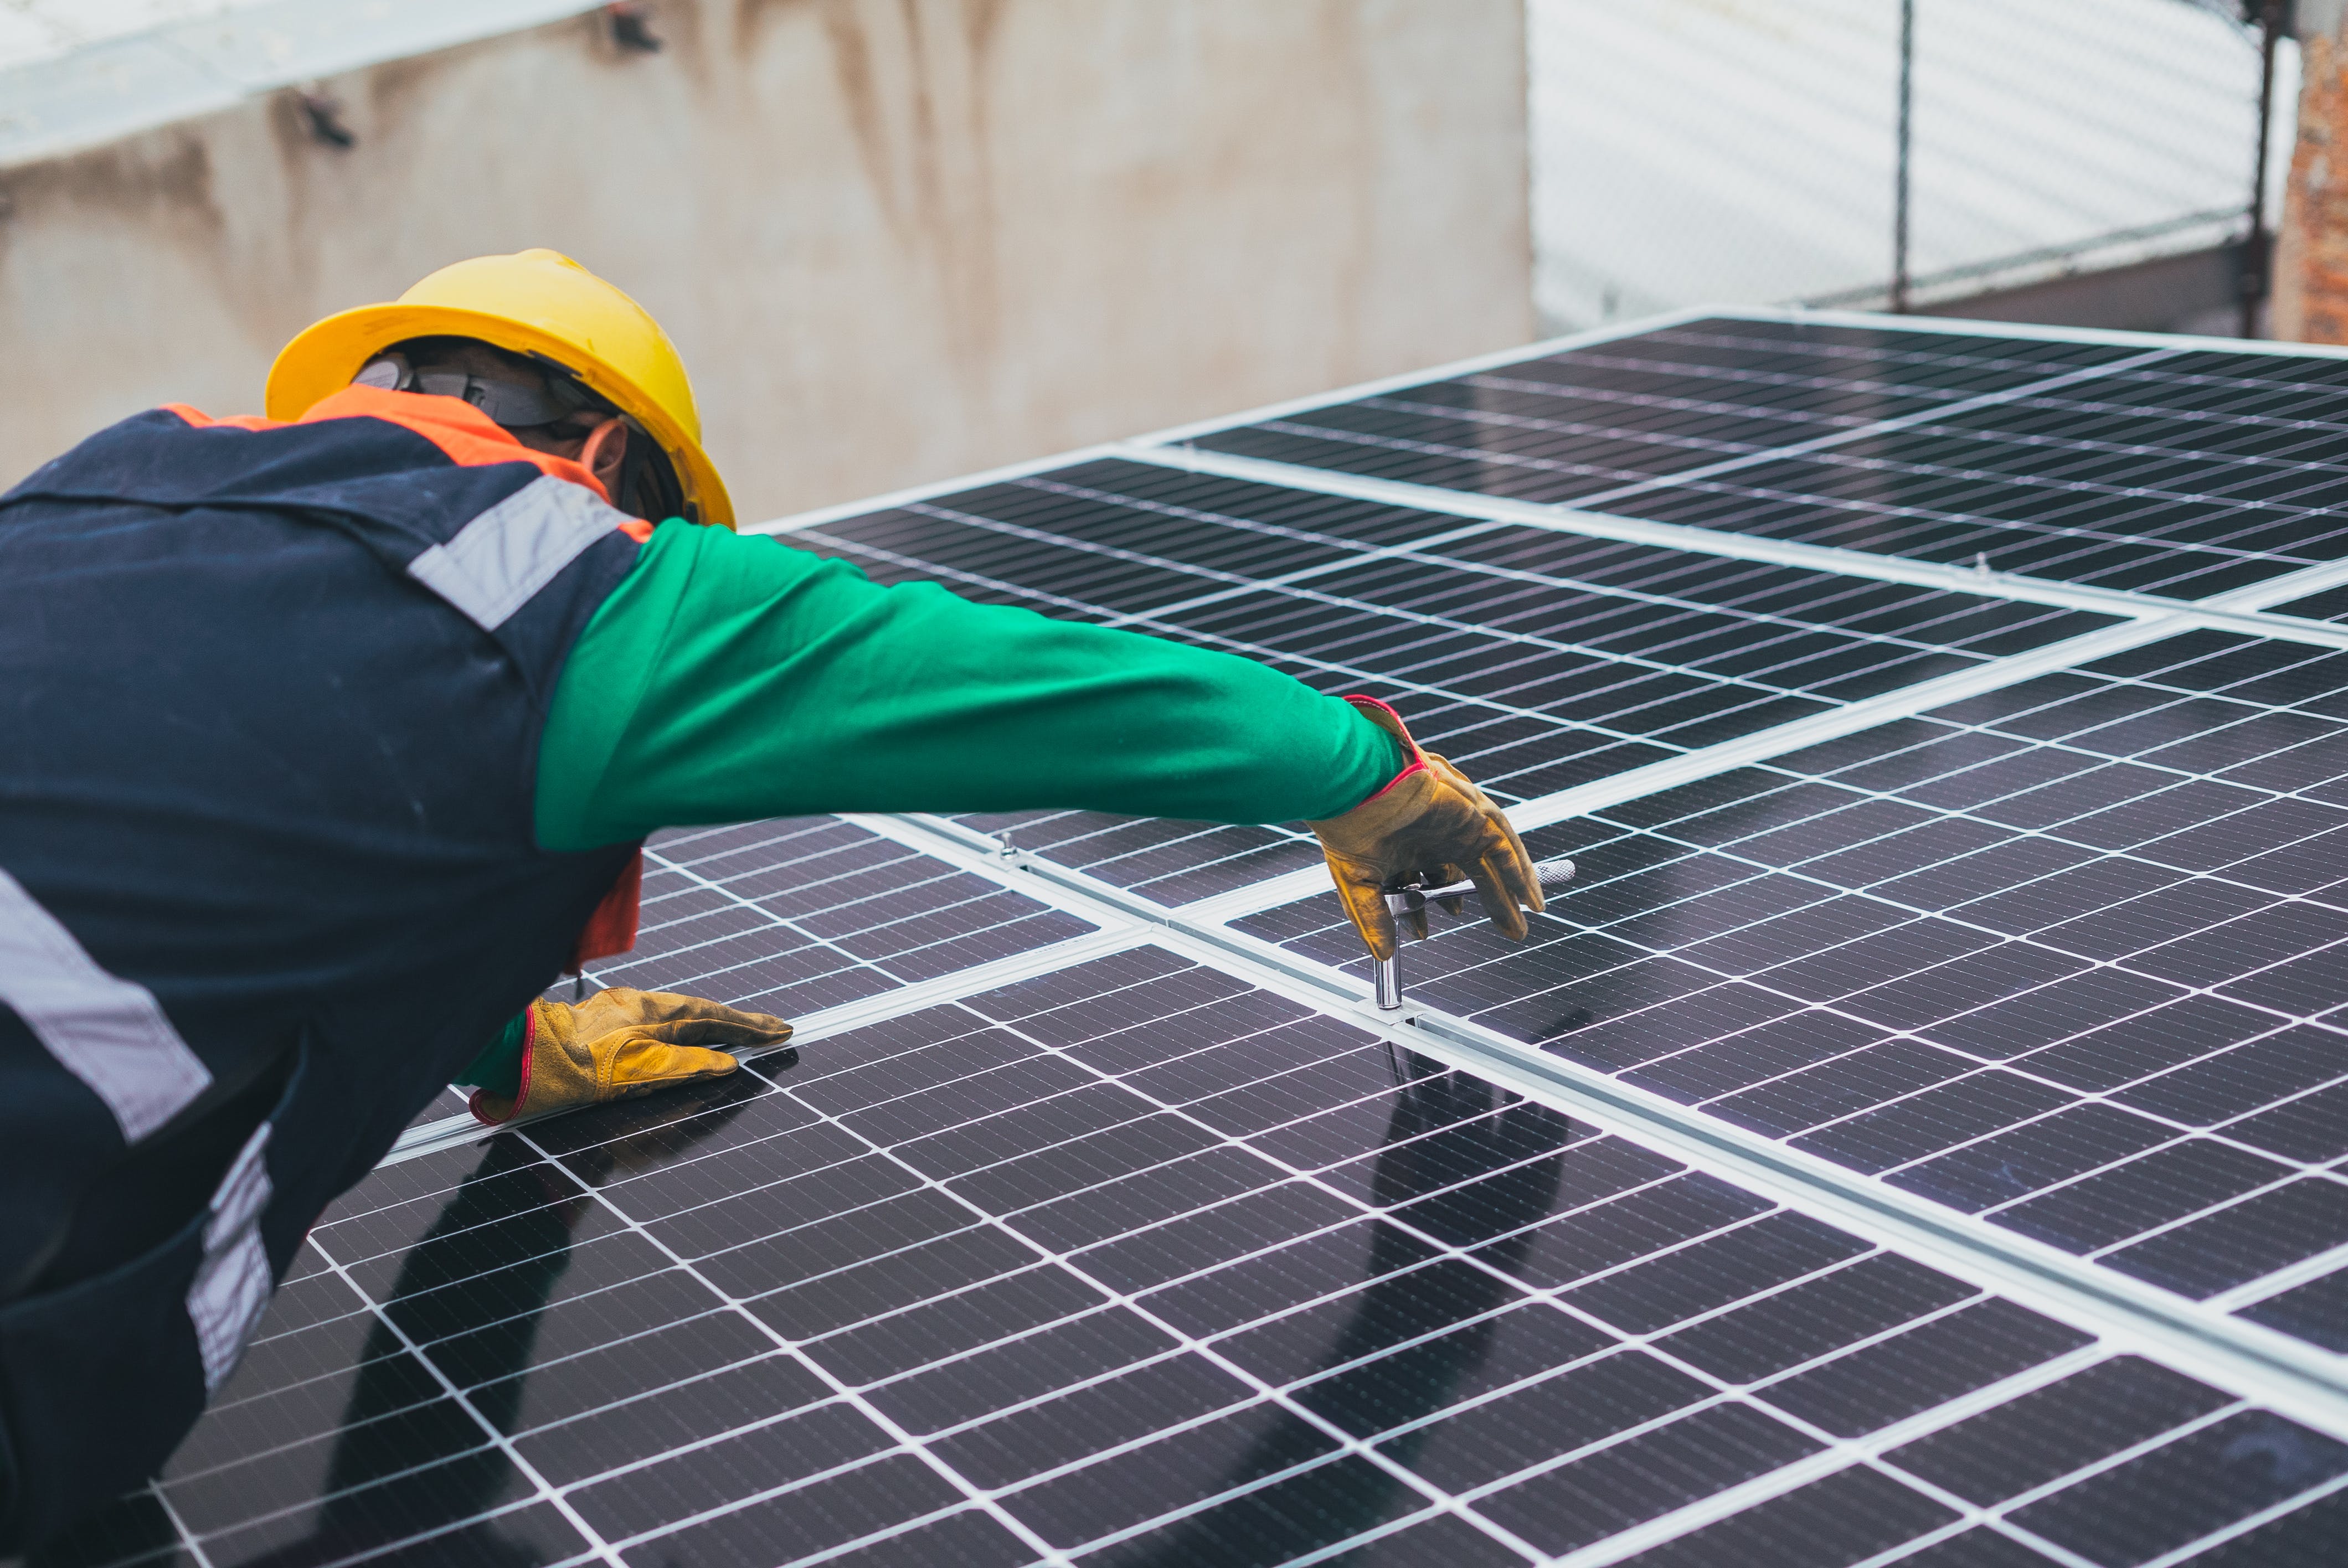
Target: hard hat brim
[(321, 361)]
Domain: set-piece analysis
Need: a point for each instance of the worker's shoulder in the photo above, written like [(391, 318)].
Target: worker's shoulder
[(198, 419)]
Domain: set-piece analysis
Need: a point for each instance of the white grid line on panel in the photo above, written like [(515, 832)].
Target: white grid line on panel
[(2015, 1067), (1724, 1505), (2251, 1359), (1989, 440), (2271, 1366), (1359, 1446), (2039, 1374), (2238, 610), (2255, 514), (188, 1541), (1905, 702), (1497, 358), (1575, 392), (1843, 1350), (2266, 1286), (903, 1440), (2240, 419), (2293, 1169), (429, 1137), (2052, 832), (2244, 1526), (1670, 323), (1832, 439), (540, 1487), (1899, 519), (1640, 662), (1957, 327), (1115, 1298), (1423, 552)]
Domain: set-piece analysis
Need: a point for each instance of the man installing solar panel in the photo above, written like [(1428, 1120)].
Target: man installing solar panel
[(333, 736)]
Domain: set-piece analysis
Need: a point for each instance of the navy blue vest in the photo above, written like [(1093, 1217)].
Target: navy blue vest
[(270, 709)]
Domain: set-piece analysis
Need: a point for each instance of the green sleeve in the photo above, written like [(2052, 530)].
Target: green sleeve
[(731, 677), (499, 1067)]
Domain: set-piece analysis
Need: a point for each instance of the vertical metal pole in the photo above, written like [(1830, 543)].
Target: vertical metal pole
[(1389, 984), (1900, 182), (2258, 249)]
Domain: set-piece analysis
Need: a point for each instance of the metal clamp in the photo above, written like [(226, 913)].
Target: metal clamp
[(1412, 898)]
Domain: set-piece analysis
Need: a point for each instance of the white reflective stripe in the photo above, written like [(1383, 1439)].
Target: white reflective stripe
[(231, 1285), (109, 1032), (513, 549)]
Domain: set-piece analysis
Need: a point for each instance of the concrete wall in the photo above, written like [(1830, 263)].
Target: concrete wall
[(896, 240)]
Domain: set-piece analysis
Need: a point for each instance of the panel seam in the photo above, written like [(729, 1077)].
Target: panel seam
[(2253, 1361)]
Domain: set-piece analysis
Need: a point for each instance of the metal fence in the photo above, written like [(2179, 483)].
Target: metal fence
[(2095, 158)]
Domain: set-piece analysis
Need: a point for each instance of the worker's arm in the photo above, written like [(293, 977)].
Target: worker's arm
[(731, 677)]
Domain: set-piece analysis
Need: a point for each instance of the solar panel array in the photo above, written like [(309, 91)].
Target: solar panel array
[(1921, 1136)]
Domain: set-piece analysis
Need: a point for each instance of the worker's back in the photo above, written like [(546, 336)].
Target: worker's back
[(269, 704)]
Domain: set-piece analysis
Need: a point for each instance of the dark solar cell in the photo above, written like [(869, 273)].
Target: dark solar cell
[(2316, 1311), (1184, 1268), (2180, 475), (1589, 421), (1966, 491), (1942, 953), (2332, 604), (795, 914), (2187, 1488)]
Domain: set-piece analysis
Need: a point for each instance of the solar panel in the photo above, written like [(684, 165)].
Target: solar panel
[(2063, 954), (2161, 470), (1587, 423), (1136, 1262), (1920, 1136)]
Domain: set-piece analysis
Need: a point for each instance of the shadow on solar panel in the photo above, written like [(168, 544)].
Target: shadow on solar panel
[(1138, 1261)]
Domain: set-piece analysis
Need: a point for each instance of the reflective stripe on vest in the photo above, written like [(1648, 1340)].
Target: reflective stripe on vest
[(107, 1031), (507, 553), (233, 1283)]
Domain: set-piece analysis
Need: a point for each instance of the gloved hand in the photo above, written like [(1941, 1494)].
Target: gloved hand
[(1431, 824), (619, 1043)]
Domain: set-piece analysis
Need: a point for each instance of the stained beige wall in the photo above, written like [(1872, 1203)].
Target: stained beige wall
[(896, 240)]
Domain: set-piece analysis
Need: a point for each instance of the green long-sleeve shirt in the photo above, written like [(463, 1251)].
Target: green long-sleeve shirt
[(730, 676)]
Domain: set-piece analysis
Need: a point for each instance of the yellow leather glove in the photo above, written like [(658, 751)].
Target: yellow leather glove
[(1430, 824), (619, 1043)]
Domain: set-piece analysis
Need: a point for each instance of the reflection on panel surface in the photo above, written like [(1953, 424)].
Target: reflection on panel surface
[(1588, 421), (2161, 471), (1139, 1262), (2066, 954), (1535, 659)]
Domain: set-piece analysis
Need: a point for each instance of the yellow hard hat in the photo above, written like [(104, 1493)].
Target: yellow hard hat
[(533, 302)]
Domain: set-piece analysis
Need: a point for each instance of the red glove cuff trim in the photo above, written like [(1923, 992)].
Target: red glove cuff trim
[(1415, 767), (1417, 763)]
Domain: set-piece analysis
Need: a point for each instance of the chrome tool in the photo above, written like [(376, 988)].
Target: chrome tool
[(1413, 897)]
